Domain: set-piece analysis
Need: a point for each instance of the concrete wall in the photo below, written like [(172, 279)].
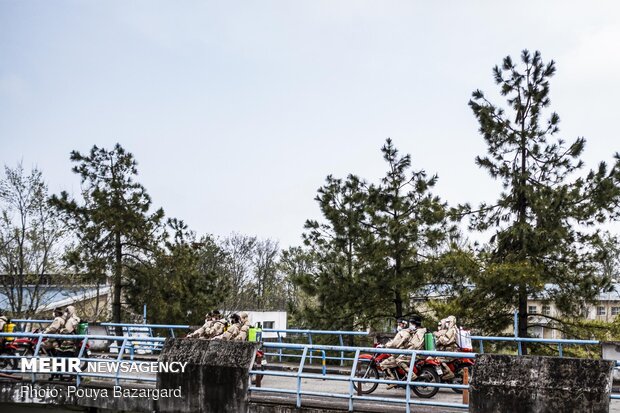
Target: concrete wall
[(216, 378), (532, 384)]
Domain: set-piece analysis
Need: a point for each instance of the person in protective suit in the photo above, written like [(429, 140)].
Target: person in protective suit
[(199, 333), (233, 329), (54, 328), (3, 320), (217, 328), (416, 342), (445, 340), (71, 320), (400, 341), (245, 327)]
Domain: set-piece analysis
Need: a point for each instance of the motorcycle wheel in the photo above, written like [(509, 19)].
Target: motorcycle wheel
[(9, 364), (458, 379), (365, 370), (427, 375)]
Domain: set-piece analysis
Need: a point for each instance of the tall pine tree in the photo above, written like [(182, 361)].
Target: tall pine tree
[(544, 223), (113, 221)]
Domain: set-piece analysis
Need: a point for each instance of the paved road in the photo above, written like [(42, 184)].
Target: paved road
[(342, 388)]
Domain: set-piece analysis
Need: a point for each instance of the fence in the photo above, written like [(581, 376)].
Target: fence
[(352, 379), (519, 340), (82, 355), (309, 333)]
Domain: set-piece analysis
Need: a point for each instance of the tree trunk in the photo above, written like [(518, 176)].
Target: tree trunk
[(118, 279), (398, 302), (522, 327)]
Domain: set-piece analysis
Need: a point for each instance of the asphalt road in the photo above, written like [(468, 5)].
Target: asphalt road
[(342, 388)]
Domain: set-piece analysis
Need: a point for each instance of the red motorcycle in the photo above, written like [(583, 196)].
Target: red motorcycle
[(259, 364), (427, 370), (25, 346), (8, 348)]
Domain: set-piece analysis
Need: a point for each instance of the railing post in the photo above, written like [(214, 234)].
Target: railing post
[(119, 359), (36, 354), (310, 342), (351, 377), (465, 382), (408, 386), (560, 350), (519, 348), (299, 372), (80, 355), (342, 352), (280, 349)]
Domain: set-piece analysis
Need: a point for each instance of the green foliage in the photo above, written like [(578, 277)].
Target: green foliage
[(185, 280), (375, 246), (545, 222), (113, 222)]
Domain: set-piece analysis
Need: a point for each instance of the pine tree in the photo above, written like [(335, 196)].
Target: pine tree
[(407, 227), (113, 223), (545, 220)]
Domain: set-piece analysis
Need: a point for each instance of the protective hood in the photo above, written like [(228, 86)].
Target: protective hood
[(244, 317), (70, 311), (450, 322)]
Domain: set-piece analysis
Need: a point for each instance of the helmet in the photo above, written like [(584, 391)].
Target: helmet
[(234, 318), (216, 313), (58, 311), (415, 321)]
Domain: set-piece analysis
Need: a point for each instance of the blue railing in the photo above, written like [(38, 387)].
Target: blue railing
[(128, 343), (560, 342), (309, 333), (352, 395)]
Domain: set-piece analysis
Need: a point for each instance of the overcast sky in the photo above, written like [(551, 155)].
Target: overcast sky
[(237, 110)]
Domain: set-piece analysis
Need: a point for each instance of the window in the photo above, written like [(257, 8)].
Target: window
[(532, 309), (268, 324), (600, 310), (615, 310), (546, 310)]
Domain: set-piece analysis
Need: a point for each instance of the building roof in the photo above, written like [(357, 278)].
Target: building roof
[(54, 296)]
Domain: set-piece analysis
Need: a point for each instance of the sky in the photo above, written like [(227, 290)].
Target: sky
[(236, 111)]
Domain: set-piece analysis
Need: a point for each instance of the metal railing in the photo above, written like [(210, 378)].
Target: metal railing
[(519, 340), (309, 333), (352, 394), (134, 330), (82, 342)]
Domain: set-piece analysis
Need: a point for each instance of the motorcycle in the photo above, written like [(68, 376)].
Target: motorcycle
[(8, 348), (26, 346), (427, 370), (259, 364)]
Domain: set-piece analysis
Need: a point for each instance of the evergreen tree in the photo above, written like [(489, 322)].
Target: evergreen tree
[(113, 221), (544, 223), (375, 247), (186, 279), (336, 243), (407, 228)]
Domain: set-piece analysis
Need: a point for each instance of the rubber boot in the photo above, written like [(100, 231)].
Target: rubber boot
[(447, 373), (405, 366), (390, 376)]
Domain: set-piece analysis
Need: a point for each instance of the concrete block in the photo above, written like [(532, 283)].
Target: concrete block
[(216, 378), (533, 384)]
